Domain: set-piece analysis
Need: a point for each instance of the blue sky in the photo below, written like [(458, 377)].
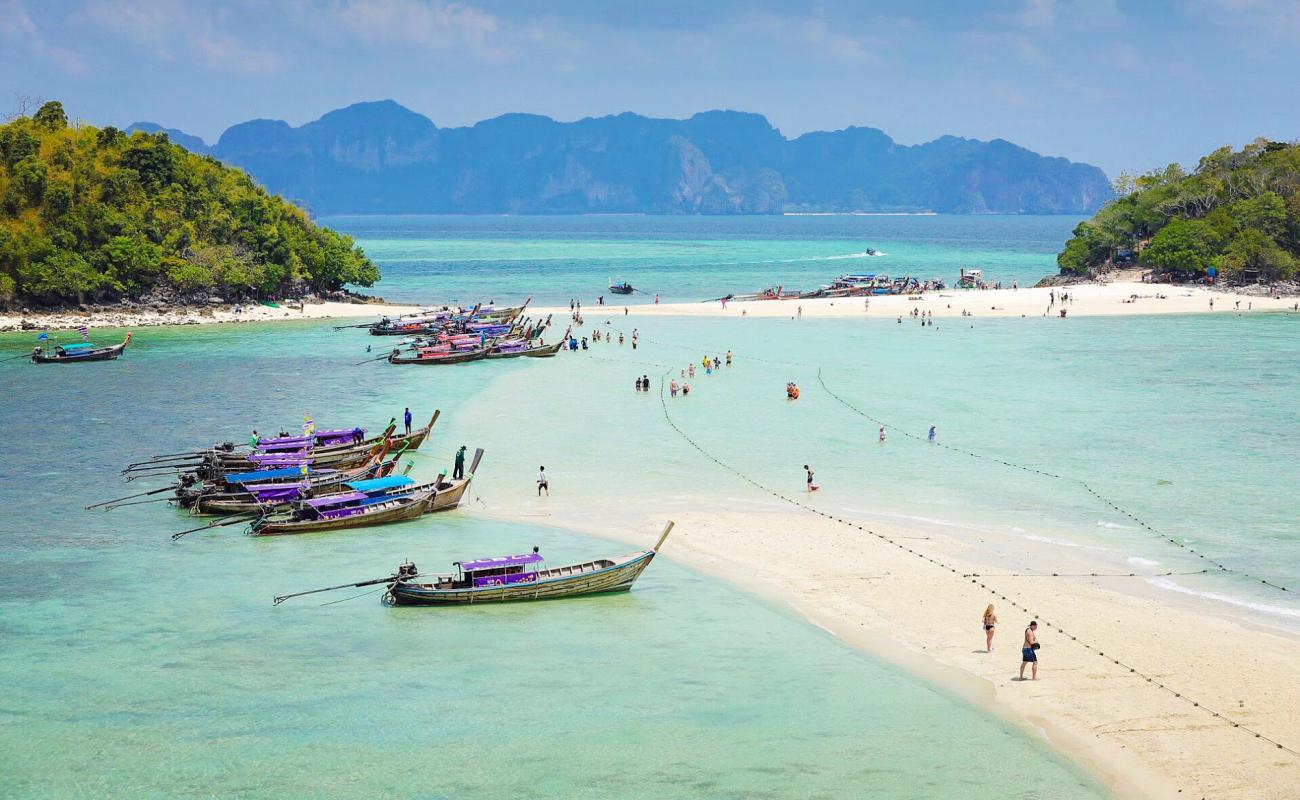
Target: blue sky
[(1123, 85)]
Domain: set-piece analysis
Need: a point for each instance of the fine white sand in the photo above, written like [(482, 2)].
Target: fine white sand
[(897, 603), (196, 315), (1084, 300)]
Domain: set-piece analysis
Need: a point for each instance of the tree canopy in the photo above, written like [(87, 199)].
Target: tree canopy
[(1239, 213), (95, 214)]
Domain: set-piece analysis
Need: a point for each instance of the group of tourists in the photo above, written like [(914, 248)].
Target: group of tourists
[(710, 364)]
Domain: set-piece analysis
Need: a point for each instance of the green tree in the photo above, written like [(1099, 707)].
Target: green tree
[(1184, 245), (1253, 251), (51, 116), (1266, 213)]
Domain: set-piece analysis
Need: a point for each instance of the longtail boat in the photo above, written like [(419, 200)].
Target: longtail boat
[(378, 501), (250, 496), (523, 347), (82, 351), (507, 579), (436, 356)]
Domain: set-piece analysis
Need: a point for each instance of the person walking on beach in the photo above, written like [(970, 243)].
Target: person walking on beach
[(1029, 651), (645, 383), (990, 622), (812, 487), (933, 433), (728, 358), (458, 471), (543, 484), (882, 434), (799, 312)]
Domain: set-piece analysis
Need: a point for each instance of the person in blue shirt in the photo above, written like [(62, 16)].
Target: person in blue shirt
[(932, 434), (407, 418)]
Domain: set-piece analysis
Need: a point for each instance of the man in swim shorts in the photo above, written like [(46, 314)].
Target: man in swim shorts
[(1029, 651)]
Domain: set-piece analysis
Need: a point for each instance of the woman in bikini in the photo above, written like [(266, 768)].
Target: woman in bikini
[(990, 622)]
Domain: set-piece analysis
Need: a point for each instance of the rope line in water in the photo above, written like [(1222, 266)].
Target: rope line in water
[(973, 578), (1218, 565), (1081, 574)]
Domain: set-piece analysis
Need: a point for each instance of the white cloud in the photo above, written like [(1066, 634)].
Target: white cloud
[(1038, 14), (425, 23), (19, 30), (177, 31)]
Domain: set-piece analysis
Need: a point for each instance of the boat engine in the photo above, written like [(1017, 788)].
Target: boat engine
[(406, 570)]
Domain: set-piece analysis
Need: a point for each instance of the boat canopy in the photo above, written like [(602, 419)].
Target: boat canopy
[(77, 346), (496, 563), (265, 440), (337, 499), (379, 484), (262, 474)]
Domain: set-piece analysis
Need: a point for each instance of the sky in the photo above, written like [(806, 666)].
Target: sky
[(1123, 85)]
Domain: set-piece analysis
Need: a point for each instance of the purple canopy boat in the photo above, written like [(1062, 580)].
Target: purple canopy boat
[(508, 579), (520, 577)]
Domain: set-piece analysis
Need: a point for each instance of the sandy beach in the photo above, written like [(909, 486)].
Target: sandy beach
[(1095, 299), (194, 315), (1089, 299), (1157, 698), (1159, 693)]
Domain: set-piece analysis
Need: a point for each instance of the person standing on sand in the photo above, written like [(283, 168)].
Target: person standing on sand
[(990, 622), (1029, 652), (542, 483), (799, 311)]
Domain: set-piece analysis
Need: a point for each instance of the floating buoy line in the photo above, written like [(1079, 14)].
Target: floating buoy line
[(974, 578)]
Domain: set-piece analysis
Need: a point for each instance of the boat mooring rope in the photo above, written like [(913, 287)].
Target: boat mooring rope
[(973, 578), (1218, 565)]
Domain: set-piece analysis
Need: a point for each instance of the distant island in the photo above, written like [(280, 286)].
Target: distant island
[(90, 215), (1237, 217), (380, 157)]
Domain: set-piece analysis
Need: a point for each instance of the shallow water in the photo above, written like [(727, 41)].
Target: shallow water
[(136, 667), (468, 259), (139, 668)]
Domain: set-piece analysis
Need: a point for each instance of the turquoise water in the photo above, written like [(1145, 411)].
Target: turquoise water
[(141, 668), (137, 667), (467, 259)]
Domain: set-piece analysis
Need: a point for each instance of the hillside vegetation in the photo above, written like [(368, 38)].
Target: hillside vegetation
[(1238, 213), (88, 215)]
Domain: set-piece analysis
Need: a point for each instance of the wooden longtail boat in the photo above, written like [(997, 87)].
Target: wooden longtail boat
[(545, 351), (371, 502), (76, 353), (337, 456), (448, 357), (507, 579), (520, 577), (269, 495)]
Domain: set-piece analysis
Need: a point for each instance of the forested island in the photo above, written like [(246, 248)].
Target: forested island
[(1236, 217), (91, 215)]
